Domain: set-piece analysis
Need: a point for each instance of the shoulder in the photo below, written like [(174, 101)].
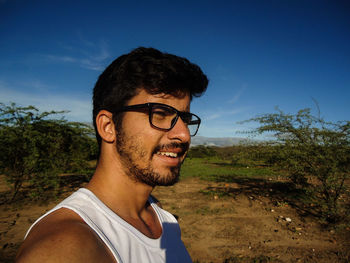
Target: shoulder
[(63, 236)]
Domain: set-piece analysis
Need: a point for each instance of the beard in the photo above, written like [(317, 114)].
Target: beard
[(132, 153)]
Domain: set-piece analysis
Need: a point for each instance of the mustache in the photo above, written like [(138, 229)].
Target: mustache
[(183, 146)]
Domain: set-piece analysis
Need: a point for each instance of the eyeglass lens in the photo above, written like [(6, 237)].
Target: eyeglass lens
[(165, 118)]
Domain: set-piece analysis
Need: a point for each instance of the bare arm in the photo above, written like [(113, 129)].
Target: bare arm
[(63, 237)]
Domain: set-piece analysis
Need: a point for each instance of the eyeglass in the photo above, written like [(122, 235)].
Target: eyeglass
[(164, 117)]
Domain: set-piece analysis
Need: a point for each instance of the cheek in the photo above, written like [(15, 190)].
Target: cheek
[(135, 123), (139, 127)]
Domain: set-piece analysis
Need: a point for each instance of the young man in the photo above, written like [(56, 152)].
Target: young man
[(144, 126)]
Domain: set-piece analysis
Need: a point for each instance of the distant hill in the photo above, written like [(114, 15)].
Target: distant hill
[(220, 142)]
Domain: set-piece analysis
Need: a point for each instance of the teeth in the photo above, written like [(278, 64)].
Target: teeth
[(168, 154)]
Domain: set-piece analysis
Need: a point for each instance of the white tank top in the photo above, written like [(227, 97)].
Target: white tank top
[(126, 243)]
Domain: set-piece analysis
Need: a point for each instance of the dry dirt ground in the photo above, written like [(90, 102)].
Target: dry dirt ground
[(245, 226)]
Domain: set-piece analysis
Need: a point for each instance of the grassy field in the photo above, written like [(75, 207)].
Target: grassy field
[(216, 169), (228, 213)]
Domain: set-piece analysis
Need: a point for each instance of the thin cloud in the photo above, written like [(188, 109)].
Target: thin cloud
[(86, 41), (238, 95), (91, 64), (79, 109), (224, 113), (224, 130), (213, 116), (32, 85), (96, 61), (61, 58)]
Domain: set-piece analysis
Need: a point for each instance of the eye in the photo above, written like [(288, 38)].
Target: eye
[(162, 112)]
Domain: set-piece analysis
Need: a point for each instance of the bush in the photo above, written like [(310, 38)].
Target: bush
[(35, 148), (201, 152), (315, 153)]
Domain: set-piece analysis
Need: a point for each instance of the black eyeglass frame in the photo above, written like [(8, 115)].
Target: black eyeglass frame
[(182, 114)]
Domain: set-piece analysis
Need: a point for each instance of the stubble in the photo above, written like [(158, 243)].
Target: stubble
[(133, 154)]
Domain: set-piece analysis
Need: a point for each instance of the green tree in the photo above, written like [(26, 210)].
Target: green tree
[(315, 153), (36, 148), (201, 151), (251, 154)]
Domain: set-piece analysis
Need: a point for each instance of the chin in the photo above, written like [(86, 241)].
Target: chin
[(168, 181), (161, 179)]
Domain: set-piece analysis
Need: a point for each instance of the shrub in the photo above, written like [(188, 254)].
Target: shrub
[(201, 152), (36, 148), (315, 153)]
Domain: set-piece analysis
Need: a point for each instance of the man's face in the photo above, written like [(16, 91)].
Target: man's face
[(149, 155)]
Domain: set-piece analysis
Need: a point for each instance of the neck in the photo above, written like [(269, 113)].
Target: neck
[(117, 190)]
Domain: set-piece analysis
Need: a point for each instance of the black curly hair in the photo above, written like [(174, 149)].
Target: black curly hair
[(149, 69)]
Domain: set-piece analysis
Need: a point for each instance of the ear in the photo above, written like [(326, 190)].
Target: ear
[(105, 126)]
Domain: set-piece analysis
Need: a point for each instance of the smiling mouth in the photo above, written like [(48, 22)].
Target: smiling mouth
[(173, 150), (168, 154)]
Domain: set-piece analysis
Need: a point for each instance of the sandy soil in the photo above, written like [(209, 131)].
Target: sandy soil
[(245, 226)]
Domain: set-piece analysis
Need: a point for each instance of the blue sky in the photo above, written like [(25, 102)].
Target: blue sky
[(256, 54)]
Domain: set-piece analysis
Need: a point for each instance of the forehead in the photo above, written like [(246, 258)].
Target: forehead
[(181, 102)]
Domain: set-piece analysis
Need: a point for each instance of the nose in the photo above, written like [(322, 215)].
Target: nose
[(180, 132)]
